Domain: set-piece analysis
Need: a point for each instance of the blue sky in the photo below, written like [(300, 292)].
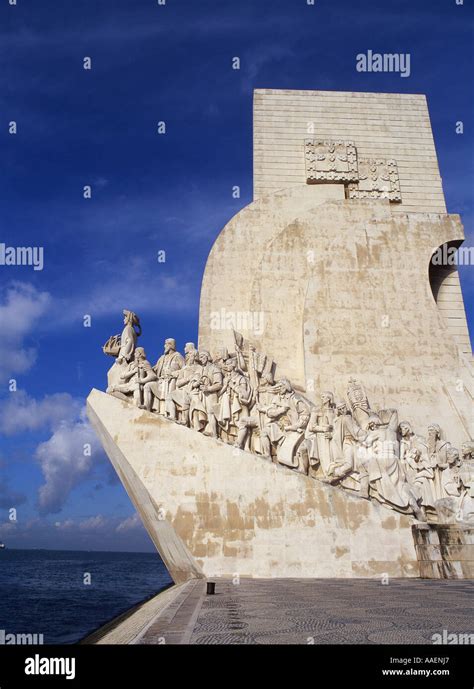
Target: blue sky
[(153, 192)]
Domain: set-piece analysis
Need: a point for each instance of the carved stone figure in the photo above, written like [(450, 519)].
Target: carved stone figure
[(122, 347), (320, 432), (128, 338), (451, 476), (420, 475), (256, 364), (256, 420), (344, 438), (438, 456), (166, 369), (457, 504), (179, 400), (387, 480), (409, 441), (204, 404), (137, 375), (221, 357), (189, 350), (437, 447), (235, 397), (466, 471), (358, 402), (287, 418)]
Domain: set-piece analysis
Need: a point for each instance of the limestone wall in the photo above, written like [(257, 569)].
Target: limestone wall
[(382, 125), (343, 286), (448, 294), (445, 551), (237, 514)]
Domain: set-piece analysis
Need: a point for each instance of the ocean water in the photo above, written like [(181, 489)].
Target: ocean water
[(43, 591)]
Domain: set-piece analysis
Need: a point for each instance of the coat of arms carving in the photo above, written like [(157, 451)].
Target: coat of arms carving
[(378, 179), (337, 161), (330, 161)]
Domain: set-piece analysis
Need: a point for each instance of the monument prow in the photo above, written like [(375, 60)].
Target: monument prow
[(107, 416), (213, 510)]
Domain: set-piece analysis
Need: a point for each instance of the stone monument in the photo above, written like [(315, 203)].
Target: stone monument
[(323, 425)]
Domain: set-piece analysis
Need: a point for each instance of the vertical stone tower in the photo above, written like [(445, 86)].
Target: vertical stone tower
[(334, 255)]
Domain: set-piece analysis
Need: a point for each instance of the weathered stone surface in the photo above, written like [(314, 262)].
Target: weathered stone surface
[(380, 125), (341, 289), (445, 551), (179, 562), (228, 512)]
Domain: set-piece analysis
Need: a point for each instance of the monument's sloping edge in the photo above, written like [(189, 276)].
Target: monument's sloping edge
[(222, 512), (178, 560), (129, 627)]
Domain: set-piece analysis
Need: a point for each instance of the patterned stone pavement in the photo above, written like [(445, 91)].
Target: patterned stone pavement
[(319, 611)]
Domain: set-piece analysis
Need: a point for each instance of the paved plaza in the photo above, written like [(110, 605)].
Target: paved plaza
[(319, 611)]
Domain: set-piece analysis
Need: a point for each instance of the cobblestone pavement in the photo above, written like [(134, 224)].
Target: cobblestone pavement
[(319, 611)]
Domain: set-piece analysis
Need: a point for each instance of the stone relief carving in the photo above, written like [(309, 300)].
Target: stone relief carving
[(330, 161), (338, 161), (378, 179), (179, 400), (122, 347), (235, 398), (134, 379), (158, 391)]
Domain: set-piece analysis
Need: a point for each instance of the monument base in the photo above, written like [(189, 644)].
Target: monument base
[(216, 511), (445, 551)]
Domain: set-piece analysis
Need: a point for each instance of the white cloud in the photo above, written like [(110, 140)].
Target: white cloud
[(65, 525), (70, 456), (96, 523), (130, 524), (20, 413), (21, 308), (65, 461), (97, 532), (93, 523)]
